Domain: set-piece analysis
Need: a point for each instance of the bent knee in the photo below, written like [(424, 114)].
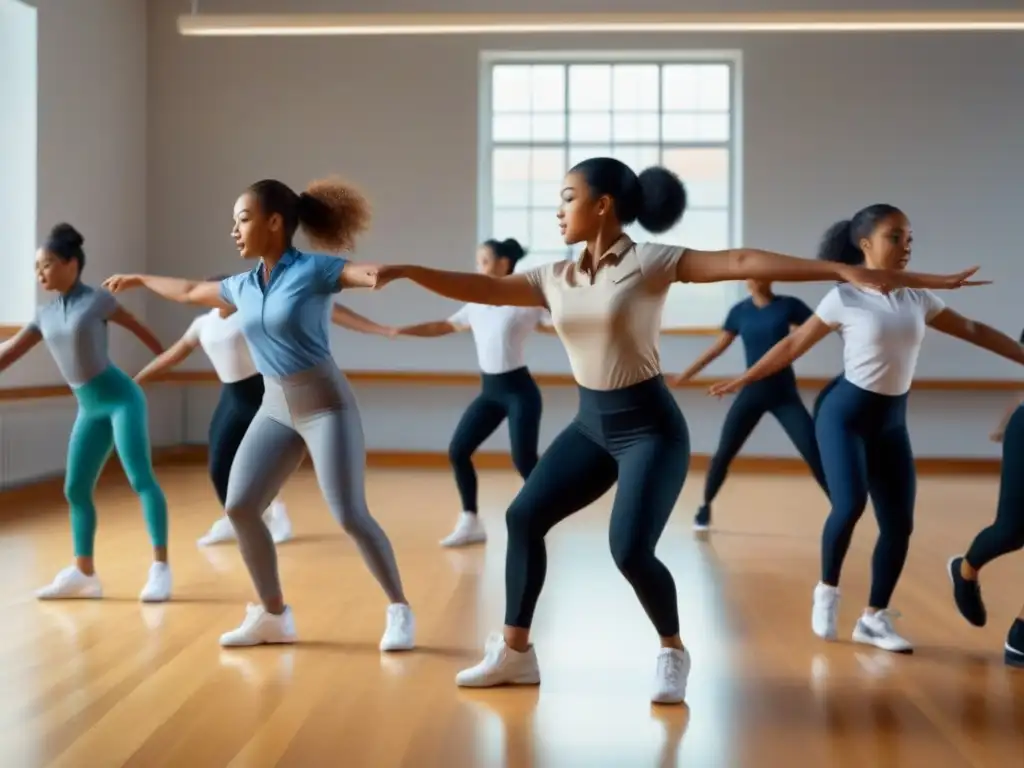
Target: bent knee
[(630, 555)]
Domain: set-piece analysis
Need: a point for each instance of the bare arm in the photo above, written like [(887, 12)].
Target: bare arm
[(548, 329), (18, 345), (201, 292), (178, 351), (128, 321), (980, 335), (712, 353), (346, 318), (431, 330), (509, 291), (778, 357), (745, 263)]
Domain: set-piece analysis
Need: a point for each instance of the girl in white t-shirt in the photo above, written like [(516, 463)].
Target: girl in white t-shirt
[(861, 421), (508, 391)]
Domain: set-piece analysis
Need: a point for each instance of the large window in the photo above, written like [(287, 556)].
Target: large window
[(17, 161), (543, 114)]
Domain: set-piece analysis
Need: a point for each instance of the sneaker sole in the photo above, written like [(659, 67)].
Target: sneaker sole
[(1013, 657), (868, 640), (525, 680), (290, 641)]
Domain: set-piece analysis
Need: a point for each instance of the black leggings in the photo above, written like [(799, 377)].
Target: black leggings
[(635, 435), (513, 395), (865, 450), (783, 401), (235, 410), (1006, 534)]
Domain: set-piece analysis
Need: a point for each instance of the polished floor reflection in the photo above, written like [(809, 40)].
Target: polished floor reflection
[(115, 683)]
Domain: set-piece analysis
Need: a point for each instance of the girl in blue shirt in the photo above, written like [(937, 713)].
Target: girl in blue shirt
[(761, 321), (308, 404)]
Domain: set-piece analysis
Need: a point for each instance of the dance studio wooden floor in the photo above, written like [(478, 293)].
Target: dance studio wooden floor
[(114, 683)]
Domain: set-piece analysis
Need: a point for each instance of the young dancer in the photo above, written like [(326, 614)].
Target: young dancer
[(861, 425), (1005, 535), (308, 404), (507, 388), (607, 307), (761, 321), (111, 410)]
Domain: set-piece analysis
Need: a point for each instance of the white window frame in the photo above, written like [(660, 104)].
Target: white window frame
[(485, 143)]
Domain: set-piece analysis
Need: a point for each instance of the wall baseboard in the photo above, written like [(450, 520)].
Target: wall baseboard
[(178, 455)]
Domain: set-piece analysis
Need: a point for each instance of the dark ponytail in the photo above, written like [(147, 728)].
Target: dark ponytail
[(65, 242), (841, 242), (656, 198), (331, 212), (508, 249)]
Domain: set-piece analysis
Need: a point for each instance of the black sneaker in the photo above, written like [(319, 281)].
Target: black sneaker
[(1013, 651), (967, 595), (702, 520)]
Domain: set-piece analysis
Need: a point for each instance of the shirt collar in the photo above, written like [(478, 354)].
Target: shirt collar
[(285, 261), (76, 290), (615, 251)]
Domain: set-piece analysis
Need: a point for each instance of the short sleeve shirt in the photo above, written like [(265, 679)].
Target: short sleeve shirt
[(74, 327)]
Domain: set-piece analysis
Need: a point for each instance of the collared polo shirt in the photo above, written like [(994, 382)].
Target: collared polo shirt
[(285, 321), (74, 327), (610, 321)]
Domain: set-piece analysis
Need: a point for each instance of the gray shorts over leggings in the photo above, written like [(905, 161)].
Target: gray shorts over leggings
[(312, 410)]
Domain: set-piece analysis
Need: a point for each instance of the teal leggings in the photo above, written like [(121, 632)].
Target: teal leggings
[(111, 412)]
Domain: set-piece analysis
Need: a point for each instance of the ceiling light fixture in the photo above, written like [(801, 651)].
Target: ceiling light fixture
[(363, 24)]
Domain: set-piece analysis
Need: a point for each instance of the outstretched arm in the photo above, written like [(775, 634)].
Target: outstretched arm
[(708, 356), (512, 290), (18, 345), (204, 293), (178, 351), (128, 321), (431, 330), (346, 318), (980, 335), (745, 263), (778, 357)]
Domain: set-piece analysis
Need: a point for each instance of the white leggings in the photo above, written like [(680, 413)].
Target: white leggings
[(312, 410)]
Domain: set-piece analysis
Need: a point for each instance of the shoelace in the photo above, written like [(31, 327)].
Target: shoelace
[(886, 616)]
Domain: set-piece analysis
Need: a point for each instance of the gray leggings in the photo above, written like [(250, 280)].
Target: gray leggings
[(316, 410)]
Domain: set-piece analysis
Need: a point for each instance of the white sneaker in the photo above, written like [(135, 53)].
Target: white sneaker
[(158, 585), (501, 666), (469, 530), (71, 583), (220, 532), (671, 675), (261, 628), (826, 607), (400, 633), (278, 522), (876, 629)]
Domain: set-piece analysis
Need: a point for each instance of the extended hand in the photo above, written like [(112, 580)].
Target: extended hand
[(119, 283), (997, 436), (386, 273), (722, 388), (678, 381), (961, 279)]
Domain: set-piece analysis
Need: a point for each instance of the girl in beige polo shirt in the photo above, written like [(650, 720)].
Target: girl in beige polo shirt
[(606, 307)]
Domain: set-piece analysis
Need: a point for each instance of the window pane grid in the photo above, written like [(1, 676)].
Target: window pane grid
[(547, 116)]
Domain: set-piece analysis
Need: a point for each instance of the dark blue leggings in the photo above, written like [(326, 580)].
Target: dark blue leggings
[(514, 396), (865, 450), (636, 436), (1006, 534), (753, 402)]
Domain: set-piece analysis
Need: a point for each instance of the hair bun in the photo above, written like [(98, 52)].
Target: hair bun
[(514, 248), (662, 199), (67, 234)]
